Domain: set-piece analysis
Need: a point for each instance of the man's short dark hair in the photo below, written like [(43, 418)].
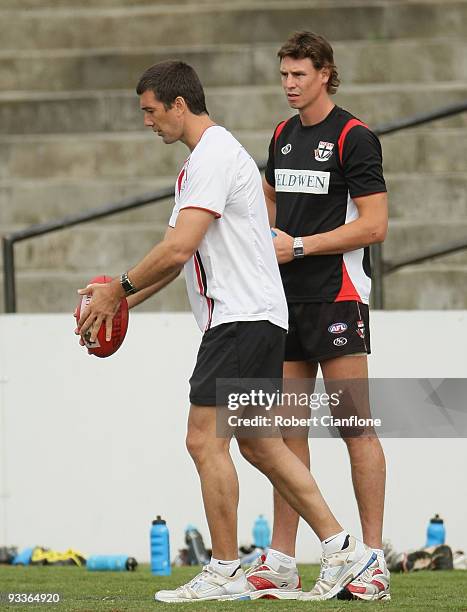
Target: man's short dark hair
[(169, 80), (308, 44)]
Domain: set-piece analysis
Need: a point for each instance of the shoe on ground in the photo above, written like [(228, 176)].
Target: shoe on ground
[(266, 583), (209, 585), (372, 585), (339, 569), (460, 560)]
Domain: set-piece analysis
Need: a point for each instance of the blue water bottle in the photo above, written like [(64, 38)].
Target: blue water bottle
[(111, 563), (160, 548), (261, 532), (436, 532)]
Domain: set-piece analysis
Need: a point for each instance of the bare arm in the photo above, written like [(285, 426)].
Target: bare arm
[(270, 197), (369, 228), (163, 261), (144, 294)]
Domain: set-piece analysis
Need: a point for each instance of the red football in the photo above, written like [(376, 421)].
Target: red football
[(102, 348)]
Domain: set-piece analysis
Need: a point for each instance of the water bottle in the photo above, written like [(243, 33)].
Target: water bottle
[(197, 554), (112, 563), (436, 533), (24, 557), (261, 533), (160, 548)]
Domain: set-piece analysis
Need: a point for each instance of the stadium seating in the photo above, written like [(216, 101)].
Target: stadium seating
[(71, 133)]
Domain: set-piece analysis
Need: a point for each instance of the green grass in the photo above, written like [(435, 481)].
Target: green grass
[(83, 591)]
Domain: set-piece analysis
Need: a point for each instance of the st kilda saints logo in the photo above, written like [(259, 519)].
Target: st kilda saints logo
[(361, 329), (324, 151)]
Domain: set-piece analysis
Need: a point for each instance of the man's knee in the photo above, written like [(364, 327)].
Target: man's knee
[(255, 452), (195, 445), (300, 448), (204, 446)]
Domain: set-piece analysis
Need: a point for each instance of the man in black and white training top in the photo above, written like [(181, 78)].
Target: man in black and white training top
[(327, 202), (219, 230)]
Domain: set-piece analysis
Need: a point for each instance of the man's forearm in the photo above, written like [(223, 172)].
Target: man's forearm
[(270, 198), (348, 237), (164, 260), (271, 208), (144, 294)]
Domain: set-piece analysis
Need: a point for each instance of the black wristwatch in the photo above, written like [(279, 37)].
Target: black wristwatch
[(298, 248), (127, 285)]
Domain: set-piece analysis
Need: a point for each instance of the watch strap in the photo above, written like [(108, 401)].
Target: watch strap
[(127, 285), (298, 248)]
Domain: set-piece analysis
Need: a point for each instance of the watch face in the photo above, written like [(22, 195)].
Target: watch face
[(298, 248)]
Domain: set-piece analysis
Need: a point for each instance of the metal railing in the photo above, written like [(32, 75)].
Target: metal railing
[(380, 267)]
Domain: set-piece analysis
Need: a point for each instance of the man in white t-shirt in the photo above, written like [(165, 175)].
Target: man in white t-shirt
[(219, 231)]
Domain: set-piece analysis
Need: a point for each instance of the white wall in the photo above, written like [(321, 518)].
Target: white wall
[(91, 450)]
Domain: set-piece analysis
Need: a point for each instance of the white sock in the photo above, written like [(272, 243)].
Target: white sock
[(226, 568), (276, 559), (335, 543)]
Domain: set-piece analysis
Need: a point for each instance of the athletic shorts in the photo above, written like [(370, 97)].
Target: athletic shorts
[(320, 331), (237, 351)]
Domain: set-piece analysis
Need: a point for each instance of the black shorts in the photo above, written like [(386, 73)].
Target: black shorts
[(320, 331), (239, 350)]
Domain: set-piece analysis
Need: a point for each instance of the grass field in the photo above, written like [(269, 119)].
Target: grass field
[(83, 591)]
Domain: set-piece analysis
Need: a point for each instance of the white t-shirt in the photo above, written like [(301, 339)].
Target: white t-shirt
[(233, 275)]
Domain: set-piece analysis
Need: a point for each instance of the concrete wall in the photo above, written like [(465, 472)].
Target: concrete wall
[(91, 450)]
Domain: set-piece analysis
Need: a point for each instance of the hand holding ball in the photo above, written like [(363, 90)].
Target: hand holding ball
[(102, 347)]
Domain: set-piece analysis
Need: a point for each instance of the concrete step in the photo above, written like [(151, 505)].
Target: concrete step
[(423, 196), (407, 238), (429, 287), (237, 108), (434, 287), (224, 65), (97, 245), (111, 155), (106, 245), (143, 155), (49, 291), (25, 203), (22, 203), (263, 21), (426, 150)]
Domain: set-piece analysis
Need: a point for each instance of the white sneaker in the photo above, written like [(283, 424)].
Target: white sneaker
[(209, 585), (372, 585), (266, 583), (460, 560), (340, 568)]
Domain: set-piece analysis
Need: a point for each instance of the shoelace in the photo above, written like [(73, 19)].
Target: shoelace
[(187, 589), (204, 573), (324, 567), (368, 573), (257, 564), (322, 583)]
